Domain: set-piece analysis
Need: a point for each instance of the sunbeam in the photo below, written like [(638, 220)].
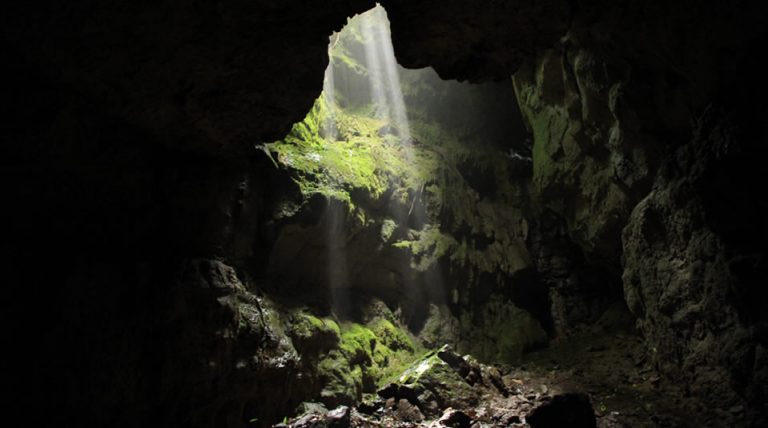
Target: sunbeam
[(338, 270), (330, 129)]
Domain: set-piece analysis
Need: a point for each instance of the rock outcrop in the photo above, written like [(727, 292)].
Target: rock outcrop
[(687, 281)]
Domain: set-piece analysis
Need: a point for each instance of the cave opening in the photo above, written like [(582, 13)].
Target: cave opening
[(411, 179)]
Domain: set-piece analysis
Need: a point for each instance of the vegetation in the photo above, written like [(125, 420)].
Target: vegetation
[(353, 358), (369, 155)]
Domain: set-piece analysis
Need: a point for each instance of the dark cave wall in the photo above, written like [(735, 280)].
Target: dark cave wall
[(124, 165), (124, 133), (467, 42), (646, 150), (116, 327), (197, 76)]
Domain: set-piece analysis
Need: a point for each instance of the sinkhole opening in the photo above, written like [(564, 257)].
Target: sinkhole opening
[(412, 182)]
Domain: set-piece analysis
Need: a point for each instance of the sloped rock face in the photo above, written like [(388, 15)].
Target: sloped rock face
[(689, 283), (201, 351), (598, 150), (591, 165), (225, 356), (495, 330)]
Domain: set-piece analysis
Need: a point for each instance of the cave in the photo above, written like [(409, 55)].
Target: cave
[(407, 213)]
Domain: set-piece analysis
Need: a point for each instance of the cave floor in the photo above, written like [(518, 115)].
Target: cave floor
[(610, 367)]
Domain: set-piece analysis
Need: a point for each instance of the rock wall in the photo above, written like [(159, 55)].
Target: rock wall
[(646, 130), (691, 284)]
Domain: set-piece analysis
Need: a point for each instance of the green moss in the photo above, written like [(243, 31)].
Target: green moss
[(307, 325), (325, 167), (380, 346), (428, 246), (388, 227), (358, 343), (396, 350), (430, 373), (416, 371), (359, 159), (342, 382), (391, 335), (548, 133), (342, 57), (365, 358), (313, 335)]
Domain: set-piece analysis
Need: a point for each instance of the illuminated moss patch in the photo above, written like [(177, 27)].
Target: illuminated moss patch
[(352, 358)]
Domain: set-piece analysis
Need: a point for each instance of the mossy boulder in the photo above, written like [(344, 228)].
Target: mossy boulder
[(358, 343), (313, 335), (435, 382), (391, 335), (342, 382), (352, 358)]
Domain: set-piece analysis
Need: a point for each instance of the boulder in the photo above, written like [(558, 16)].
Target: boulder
[(565, 410)]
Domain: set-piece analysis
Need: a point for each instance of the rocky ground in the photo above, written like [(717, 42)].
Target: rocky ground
[(588, 380)]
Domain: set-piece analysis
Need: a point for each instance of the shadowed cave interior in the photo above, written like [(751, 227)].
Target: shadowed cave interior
[(405, 214)]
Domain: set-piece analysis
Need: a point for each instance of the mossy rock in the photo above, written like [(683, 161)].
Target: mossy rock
[(342, 383), (358, 343), (365, 356), (391, 336), (312, 335), (380, 347), (435, 384)]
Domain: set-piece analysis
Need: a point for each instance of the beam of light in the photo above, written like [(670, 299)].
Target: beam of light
[(373, 64), (330, 129), (387, 96), (391, 79), (389, 106), (335, 216), (338, 273), (386, 92)]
